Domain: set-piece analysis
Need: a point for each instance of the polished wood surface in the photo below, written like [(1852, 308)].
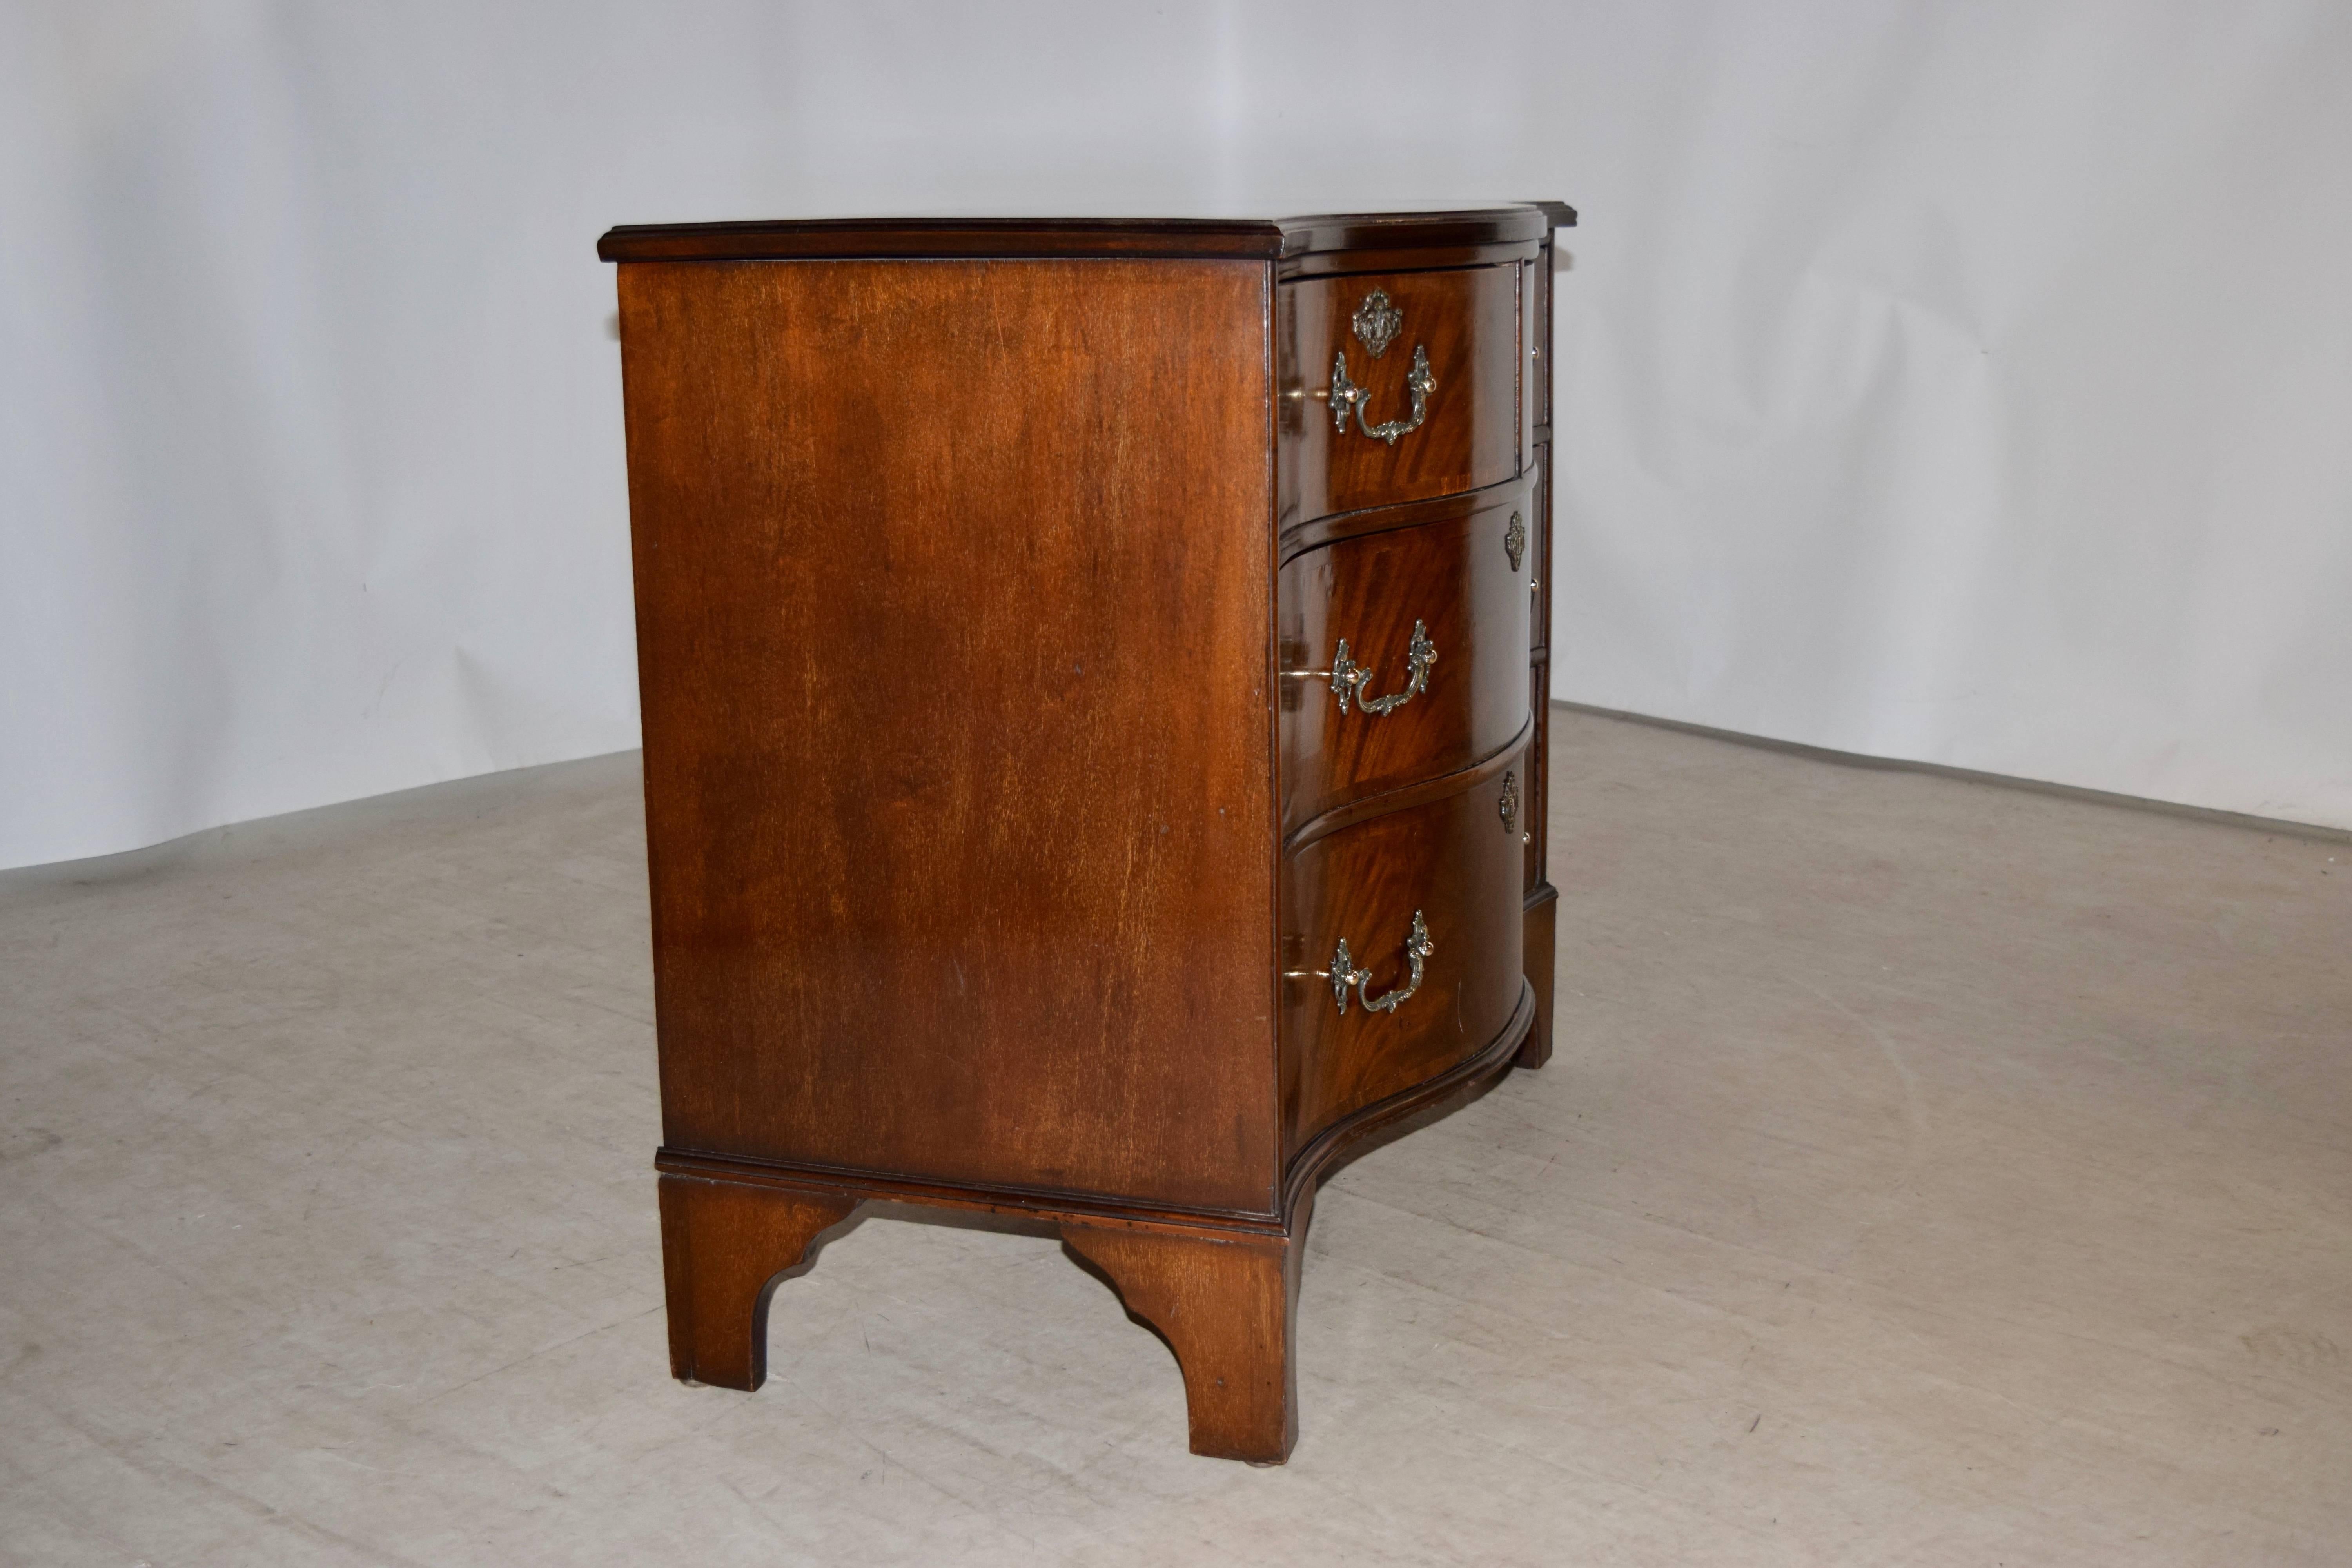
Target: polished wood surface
[(1532, 323), (993, 862), (1371, 1126), (1226, 1304), (1539, 550), (723, 1245), (1467, 232), (1456, 861), (1541, 925), (1315, 532), (1536, 785), (953, 647), (1541, 933), (1420, 259), (1467, 320), (1455, 580)]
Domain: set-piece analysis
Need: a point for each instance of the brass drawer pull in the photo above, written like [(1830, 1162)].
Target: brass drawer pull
[(1376, 324), (1348, 677), (1345, 394), (1344, 972)]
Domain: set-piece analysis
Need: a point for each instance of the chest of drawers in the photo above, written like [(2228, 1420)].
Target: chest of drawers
[(1092, 677)]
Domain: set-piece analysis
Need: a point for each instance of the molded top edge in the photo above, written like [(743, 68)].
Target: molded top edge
[(1239, 238)]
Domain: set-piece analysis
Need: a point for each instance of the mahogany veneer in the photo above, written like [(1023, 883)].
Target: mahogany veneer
[(1008, 824)]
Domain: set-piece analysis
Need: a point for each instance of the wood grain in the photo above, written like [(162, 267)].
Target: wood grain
[(1540, 933), (1368, 1127), (953, 590), (1415, 259), (1451, 859), (1467, 320), (1454, 578), (723, 1245), (1226, 1306), (1541, 922), (1538, 782), (981, 835), (1454, 237)]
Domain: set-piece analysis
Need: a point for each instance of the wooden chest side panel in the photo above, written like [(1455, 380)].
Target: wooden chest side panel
[(954, 592)]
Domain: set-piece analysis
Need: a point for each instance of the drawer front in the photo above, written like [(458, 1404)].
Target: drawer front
[(1433, 677), (1435, 411), (1454, 862)]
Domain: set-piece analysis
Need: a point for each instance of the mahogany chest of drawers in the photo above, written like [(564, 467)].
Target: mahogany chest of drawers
[(1093, 680)]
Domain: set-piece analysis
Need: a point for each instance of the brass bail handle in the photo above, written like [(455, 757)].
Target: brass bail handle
[(1345, 974), (1376, 324), (1348, 677)]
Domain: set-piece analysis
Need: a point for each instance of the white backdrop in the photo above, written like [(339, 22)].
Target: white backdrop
[(1965, 383)]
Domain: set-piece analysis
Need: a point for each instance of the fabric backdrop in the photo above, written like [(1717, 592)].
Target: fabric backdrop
[(1963, 382)]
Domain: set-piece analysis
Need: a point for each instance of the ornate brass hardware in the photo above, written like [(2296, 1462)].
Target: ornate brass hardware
[(1376, 322), (1514, 539), (1344, 972), (1348, 677), (1345, 394), (1509, 805)]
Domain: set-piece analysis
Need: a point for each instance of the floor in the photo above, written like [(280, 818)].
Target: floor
[(1930, 1172)]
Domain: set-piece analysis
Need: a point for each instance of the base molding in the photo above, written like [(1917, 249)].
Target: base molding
[(1221, 1288), (1332, 1147)]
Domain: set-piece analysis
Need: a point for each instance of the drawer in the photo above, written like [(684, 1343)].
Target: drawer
[(1453, 862), (1435, 412), (1447, 601)]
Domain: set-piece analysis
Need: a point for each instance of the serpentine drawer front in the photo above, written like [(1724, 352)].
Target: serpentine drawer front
[(1437, 881), (1407, 385), (1093, 680), (1404, 653)]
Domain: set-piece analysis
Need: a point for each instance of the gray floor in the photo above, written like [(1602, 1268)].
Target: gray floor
[(1930, 1172)]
